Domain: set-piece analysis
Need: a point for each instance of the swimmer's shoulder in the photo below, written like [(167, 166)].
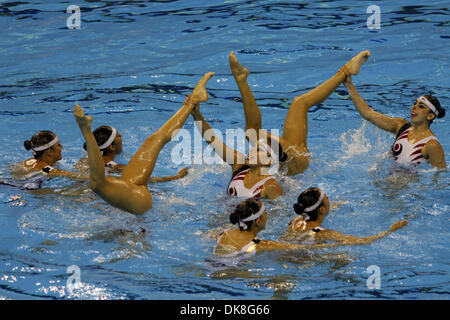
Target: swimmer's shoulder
[(271, 189), (236, 168), (29, 165), (401, 126), (434, 152)]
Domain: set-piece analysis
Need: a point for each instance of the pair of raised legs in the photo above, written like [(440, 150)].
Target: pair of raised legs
[(130, 192), (295, 130)]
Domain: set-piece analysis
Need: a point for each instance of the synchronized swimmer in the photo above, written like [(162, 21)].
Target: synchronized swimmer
[(109, 142), (251, 217), (414, 145), (248, 178), (130, 192)]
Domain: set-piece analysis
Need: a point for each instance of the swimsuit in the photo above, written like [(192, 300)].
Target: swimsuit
[(407, 153), (237, 188), (32, 181)]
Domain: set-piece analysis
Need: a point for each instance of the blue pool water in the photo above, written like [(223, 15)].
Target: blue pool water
[(131, 65)]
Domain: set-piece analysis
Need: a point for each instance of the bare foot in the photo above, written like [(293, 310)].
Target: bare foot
[(183, 172), (83, 121), (200, 94), (398, 225), (357, 61), (240, 73)]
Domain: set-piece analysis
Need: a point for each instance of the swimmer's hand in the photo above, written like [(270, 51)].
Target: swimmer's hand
[(183, 172), (196, 108), (398, 225), (349, 84), (338, 204)]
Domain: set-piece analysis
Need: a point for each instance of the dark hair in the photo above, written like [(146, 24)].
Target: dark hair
[(306, 199), (282, 156), (40, 138), (101, 135), (244, 210), (437, 104)]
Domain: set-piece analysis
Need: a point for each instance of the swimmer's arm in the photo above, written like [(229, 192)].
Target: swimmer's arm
[(182, 173), (380, 120), (227, 154), (119, 167), (332, 235), (434, 152), (337, 204), (271, 190), (269, 245), (67, 174)]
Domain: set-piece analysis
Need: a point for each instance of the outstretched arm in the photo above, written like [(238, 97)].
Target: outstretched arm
[(380, 120), (227, 154), (348, 239), (269, 245), (182, 173), (337, 204), (67, 174)]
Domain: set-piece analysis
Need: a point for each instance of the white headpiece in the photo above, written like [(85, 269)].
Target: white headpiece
[(429, 105), (110, 140), (251, 218), (315, 205), (45, 146)]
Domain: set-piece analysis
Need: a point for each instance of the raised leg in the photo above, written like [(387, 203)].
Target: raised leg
[(130, 192), (251, 110), (295, 128), (141, 165), (95, 160)]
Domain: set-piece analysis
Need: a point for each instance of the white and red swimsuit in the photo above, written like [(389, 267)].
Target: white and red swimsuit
[(237, 188), (407, 153)]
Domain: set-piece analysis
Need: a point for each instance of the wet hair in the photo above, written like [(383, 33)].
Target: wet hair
[(307, 199), (101, 135), (40, 138), (282, 156), (437, 104), (244, 210)]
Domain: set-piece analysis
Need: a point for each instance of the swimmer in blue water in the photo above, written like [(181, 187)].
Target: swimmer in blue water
[(130, 192), (251, 176), (251, 217), (295, 131), (109, 141), (47, 150), (311, 208), (415, 143)]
